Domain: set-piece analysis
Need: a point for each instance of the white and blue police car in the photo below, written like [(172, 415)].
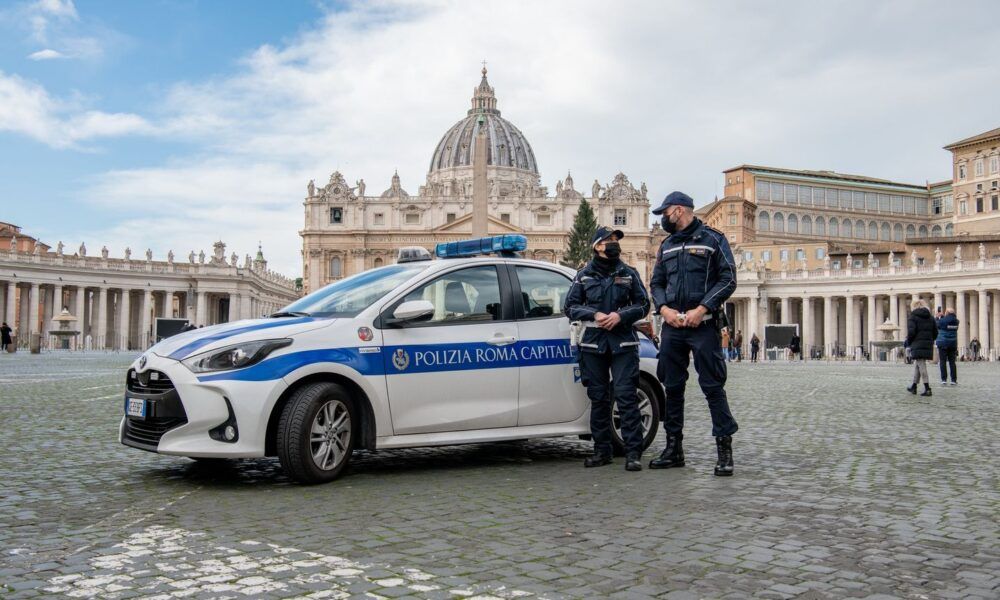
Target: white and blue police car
[(470, 348)]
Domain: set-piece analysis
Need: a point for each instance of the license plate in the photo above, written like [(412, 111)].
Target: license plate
[(136, 407)]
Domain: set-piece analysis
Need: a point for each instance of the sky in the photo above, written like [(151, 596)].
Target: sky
[(170, 124)]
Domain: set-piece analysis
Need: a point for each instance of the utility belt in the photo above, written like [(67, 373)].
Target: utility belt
[(576, 329)]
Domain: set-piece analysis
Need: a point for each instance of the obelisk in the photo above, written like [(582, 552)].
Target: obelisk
[(480, 215)]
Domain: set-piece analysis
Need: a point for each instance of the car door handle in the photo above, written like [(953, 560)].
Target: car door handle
[(501, 340)]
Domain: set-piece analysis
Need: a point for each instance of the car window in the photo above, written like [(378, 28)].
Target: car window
[(543, 292), (348, 297), (468, 295)]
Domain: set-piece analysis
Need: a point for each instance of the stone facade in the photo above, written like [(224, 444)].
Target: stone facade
[(348, 230), (116, 299)]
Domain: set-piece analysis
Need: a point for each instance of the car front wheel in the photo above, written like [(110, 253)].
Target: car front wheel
[(316, 433)]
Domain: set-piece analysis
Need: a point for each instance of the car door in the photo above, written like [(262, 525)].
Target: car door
[(550, 390), (458, 370)]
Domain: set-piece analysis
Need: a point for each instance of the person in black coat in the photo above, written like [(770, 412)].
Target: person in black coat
[(921, 331), (5, 339)]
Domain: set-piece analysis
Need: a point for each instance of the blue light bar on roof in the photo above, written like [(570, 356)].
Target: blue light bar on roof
[(500, 244)]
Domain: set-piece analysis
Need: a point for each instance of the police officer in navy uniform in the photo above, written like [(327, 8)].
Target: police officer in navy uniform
[(694, 276), (608, 297)]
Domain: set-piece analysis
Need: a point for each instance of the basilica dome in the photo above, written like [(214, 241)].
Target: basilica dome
[(507, 148)]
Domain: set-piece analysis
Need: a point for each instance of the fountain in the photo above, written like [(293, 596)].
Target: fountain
[(64, 334), (882, 349)]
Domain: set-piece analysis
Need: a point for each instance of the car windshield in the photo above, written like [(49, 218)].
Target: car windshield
[(348, 297)]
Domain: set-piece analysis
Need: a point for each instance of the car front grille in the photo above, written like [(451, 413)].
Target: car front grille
[(147, 432), (148, 382)]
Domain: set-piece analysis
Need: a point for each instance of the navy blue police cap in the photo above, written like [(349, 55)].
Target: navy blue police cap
[(674, 199), (603, 233)]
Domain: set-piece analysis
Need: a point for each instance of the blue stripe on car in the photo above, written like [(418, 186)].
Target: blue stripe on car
[(190, 347)]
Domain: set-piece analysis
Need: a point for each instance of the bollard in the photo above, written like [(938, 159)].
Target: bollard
[(35, 343)]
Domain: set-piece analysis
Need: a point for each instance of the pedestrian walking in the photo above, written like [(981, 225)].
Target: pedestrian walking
[(726, 343), (921, 332), (795, 346), (738, 345), (947, 343), (694, 276), (754, 347), (5, 339), (607, 295)]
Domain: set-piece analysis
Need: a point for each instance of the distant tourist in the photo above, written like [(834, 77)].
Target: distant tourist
[(738, 345), (795, 346), (754, 347), (921, 332), (975, 347), (947, 343), (5, 339), (726, 343)]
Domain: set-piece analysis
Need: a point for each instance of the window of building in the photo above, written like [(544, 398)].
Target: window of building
[(543, 219), (777, 192), (949, 204), (336, 215), (779, 222), (897, 203), (845, 229), (979, 187), (819, 196), (412, 218), (909, 204), (876, 263), (859, 229), (766, 255), (897, 262), (858, 264), (949, 230), (994, 164), (921, 206), (883, 202), (792, 194), (335, 267), (845, 199), (911, 231), (873, 230), (805, 195), (793, 224), (732, 219), (859, 200), (961, 172), (994, 184), (871, 201), (807, 225), (923, 231), (747, 256), (379, 219), (994, 202), (621, 216), (936, 231), (820, 226), (449, 218), (800, 254), (979, 167), (936, 206), (763, 221), (886, 232), (820, 253), (505, 217), (836, 265), (897, 233), (963, 207), (979, 204), (763, 190), (834, 228), (378, 262), (784, 255)]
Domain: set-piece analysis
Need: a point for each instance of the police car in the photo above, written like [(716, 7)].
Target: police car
[(470, 348)]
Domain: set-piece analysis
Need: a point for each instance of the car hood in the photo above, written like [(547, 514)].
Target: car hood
[(196, 341)]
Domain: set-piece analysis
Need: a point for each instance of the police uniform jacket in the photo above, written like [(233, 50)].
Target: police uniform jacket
[(693, 267), (620, 291)]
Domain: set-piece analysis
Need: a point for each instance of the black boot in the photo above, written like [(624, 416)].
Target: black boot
[(724, 467), (672, 455), (912, 389), (597, 460), (927, 390), (632, 463)]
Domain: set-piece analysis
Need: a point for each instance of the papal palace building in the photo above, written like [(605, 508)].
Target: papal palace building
[(115, 300), (837, 254)]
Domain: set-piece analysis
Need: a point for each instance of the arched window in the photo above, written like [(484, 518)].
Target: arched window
[(779, 221), (834, 228), (911, 231), (923, 231), (873, 230), (845, 229), (793, 224), (807, 225), (335, 268), (949, 230), (936, 231), (763, 221), (897, 233), (378, 262), (886, 233), (820, 226), (859, 229)]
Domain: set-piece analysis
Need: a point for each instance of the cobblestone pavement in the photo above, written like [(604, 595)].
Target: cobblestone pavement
[(845, 486)]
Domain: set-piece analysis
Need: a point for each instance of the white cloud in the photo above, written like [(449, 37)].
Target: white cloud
[(669, 93), (28, 109), (47, 54)]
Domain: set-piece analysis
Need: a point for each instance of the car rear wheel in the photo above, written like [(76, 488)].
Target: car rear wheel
[(316, 433), (649, 411)]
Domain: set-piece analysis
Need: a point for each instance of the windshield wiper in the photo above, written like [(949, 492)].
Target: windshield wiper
[(289, 314)]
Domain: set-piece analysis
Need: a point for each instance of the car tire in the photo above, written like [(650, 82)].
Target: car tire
[(316, 433), (649, 406)]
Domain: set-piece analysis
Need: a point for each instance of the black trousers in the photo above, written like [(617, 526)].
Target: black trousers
[(599, 372), (676, 347), (946, 358)]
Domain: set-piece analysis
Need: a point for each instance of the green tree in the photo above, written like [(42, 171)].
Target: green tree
[(579, 250)]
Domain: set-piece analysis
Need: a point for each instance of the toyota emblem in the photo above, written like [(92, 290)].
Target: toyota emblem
[(142, 361)]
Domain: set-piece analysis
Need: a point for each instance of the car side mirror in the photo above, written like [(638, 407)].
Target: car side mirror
[(414, 310)]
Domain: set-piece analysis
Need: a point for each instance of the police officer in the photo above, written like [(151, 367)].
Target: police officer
[(693, 277), (607, 296)]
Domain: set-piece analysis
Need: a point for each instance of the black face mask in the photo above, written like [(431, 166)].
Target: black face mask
[(612, 249), (669, 227)]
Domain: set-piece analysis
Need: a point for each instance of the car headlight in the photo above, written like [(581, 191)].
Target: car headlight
[(236, 356)]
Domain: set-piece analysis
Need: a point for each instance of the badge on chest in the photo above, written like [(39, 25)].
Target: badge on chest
[(623, 280), (698, 251)]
